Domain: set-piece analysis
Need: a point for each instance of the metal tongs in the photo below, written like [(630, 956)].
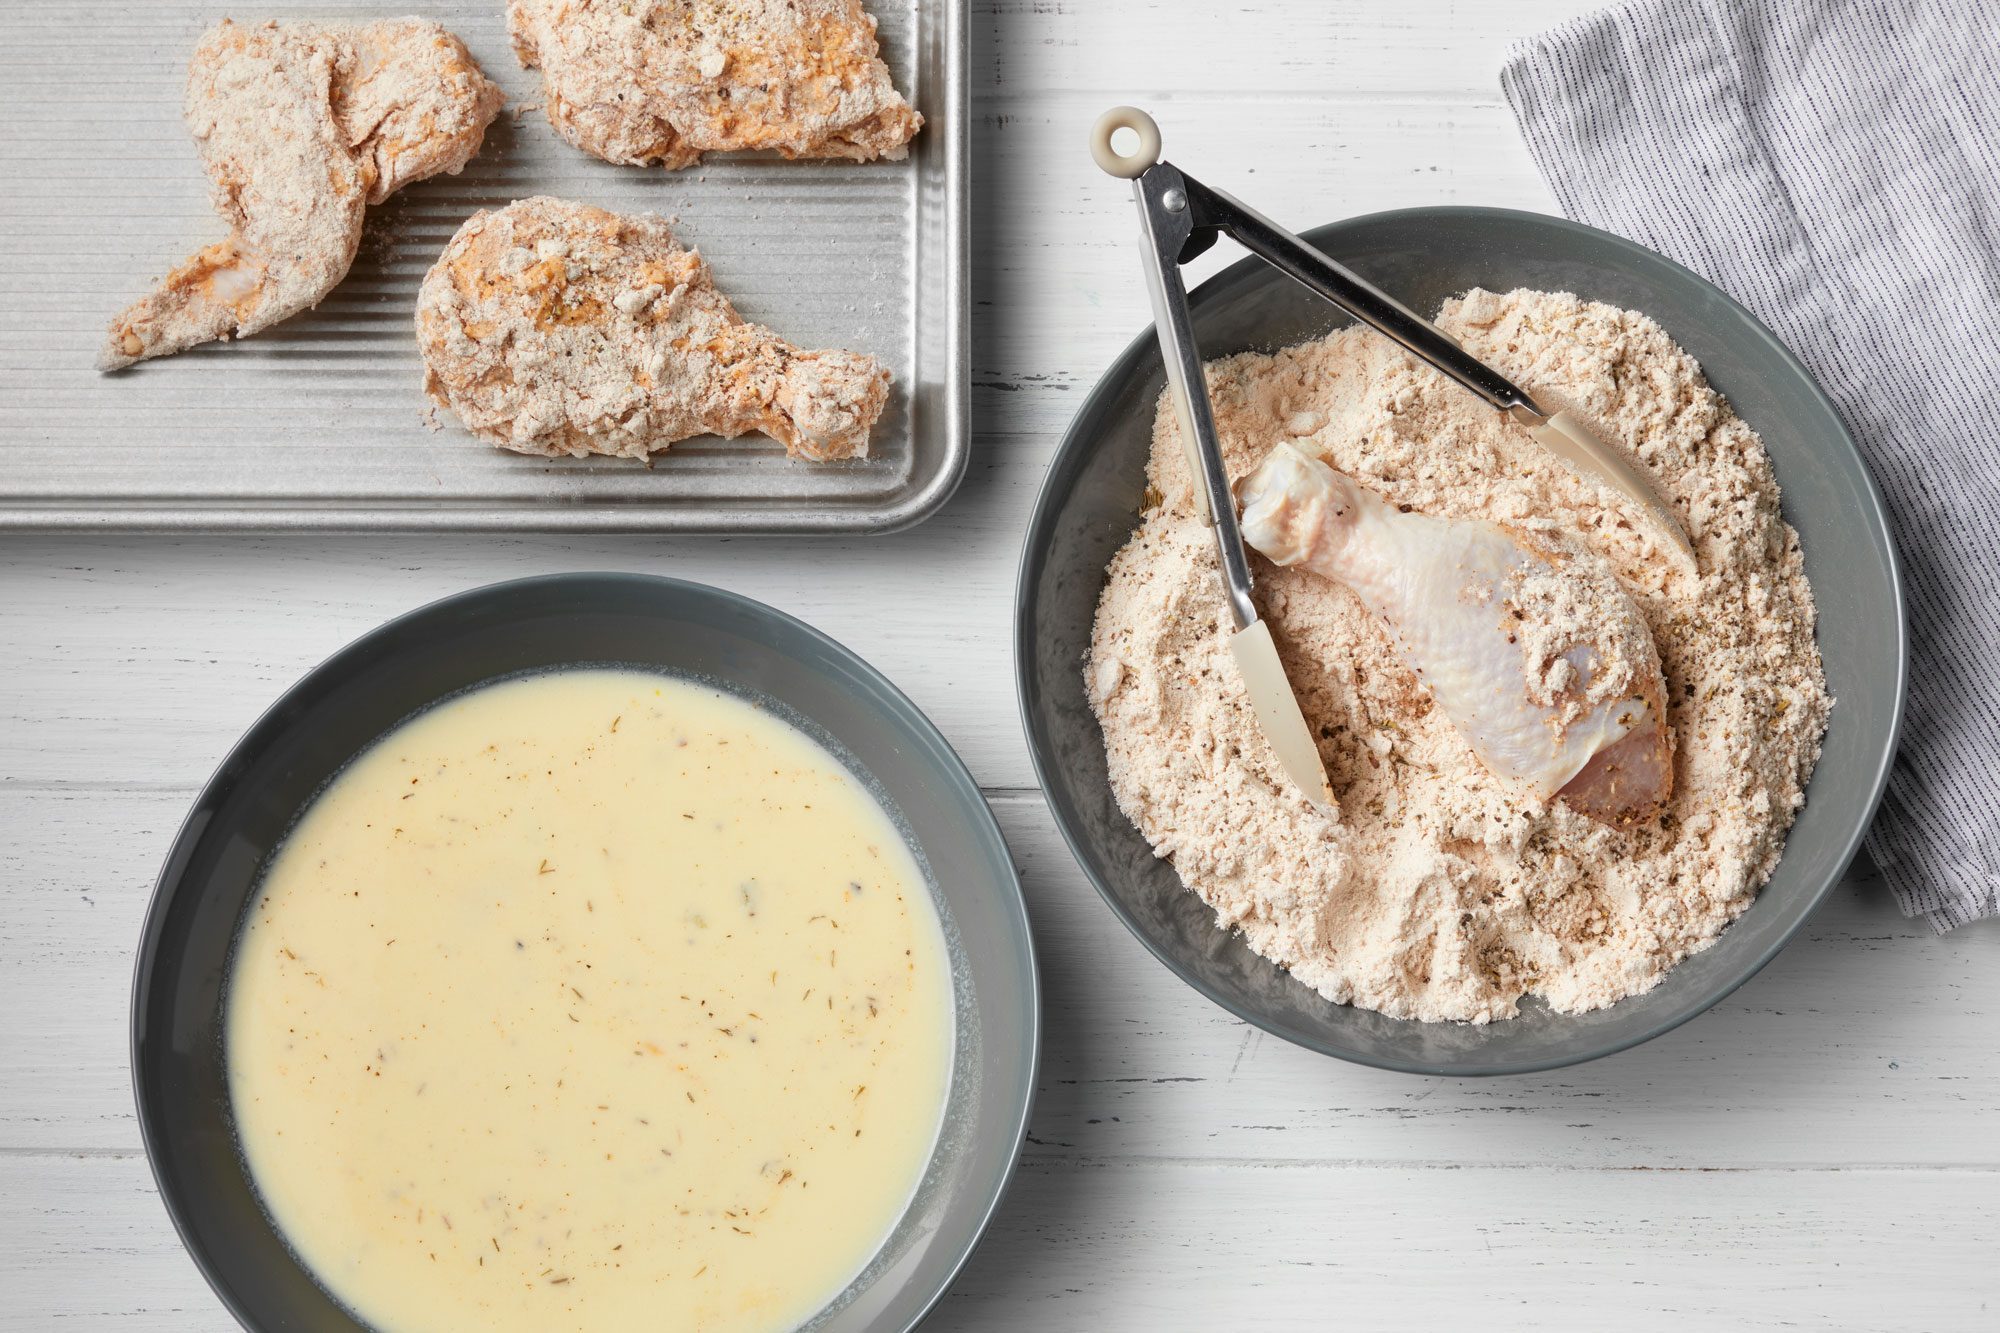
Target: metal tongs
[(1179, 218)]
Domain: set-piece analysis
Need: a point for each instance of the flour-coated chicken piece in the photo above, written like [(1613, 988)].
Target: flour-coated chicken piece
[(644, 81), (1543, 663), (301, 127), (559, 329)]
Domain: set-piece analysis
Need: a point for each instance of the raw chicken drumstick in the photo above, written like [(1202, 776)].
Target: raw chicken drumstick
[(643, 81), (559, 329), (1547, 669), (301, 127)]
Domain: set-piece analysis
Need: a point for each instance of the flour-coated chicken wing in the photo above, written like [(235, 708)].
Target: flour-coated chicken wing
[(644, 81), (302, 126), (559, 329)]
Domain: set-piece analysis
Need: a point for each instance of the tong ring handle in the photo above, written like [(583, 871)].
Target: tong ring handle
[(1125, 166)]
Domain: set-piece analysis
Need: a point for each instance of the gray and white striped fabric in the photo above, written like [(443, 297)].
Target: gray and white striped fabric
[(1836, 167)]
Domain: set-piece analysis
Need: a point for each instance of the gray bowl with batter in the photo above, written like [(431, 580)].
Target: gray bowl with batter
[(1091, 501), (629, 620)]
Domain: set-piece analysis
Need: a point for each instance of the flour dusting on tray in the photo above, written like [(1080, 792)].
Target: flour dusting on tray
[(1438, 891)]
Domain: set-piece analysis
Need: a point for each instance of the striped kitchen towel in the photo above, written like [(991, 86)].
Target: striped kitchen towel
[(1836, 167)]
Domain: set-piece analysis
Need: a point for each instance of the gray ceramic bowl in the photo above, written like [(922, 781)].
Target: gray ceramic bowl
[(653, 623), (1090, 503)]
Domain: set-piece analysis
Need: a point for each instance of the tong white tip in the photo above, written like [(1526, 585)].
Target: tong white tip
[(1126, 166)]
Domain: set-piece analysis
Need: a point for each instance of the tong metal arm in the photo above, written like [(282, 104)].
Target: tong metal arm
[(1182, 217), (1175, 205), (1168, 223)]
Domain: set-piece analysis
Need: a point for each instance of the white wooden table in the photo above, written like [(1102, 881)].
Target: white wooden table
[(1823, 1149)]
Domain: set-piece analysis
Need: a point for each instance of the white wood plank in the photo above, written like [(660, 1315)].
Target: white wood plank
[(1166, 48), (1057, 276), (1194, 1245), (148, 659), (1367, 1248), (1869, 1041), (85, 1243)]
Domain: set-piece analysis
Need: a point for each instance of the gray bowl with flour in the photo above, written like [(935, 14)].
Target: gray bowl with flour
[(1091, 501)]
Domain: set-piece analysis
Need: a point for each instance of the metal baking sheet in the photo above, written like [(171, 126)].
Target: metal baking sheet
[(321, 423)]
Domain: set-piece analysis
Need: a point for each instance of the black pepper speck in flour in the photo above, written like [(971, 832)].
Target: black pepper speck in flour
[(1437, 891)]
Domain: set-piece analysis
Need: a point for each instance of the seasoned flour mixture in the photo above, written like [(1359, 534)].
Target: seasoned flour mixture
[(1438, 891)]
